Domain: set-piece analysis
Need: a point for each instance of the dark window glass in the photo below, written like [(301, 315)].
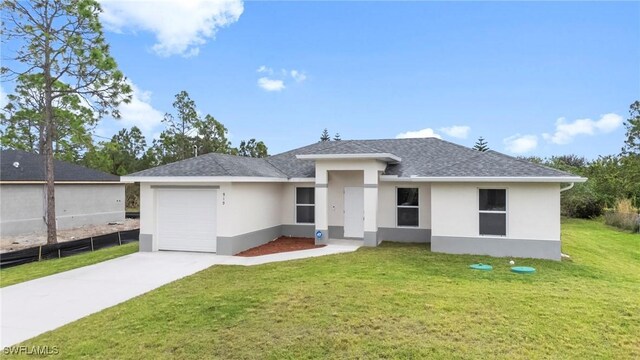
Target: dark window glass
[(305, 195), (305, 214), (493, 224), (407, 197), (493, 199), (407, 216)]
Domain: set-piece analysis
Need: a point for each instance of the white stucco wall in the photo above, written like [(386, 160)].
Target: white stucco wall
[(387, 203), (288, 203), (22, 207), (533, 210), (255, 206)]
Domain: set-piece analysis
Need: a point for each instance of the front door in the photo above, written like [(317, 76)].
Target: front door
[(354, 212)]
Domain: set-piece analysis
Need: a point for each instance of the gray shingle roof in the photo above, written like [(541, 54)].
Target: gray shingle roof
[(214, 164), (425, 157), (31, 168)]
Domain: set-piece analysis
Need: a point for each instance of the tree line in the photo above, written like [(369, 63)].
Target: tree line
[(186, 134), (611, 178)]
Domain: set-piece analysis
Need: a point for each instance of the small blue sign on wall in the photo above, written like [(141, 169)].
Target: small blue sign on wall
[(318, 234)]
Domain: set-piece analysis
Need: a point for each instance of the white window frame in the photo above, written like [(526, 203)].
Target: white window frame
[(295, 209), (407, 207), (505, 211)]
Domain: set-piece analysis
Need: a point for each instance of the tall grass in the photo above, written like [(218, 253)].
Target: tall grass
[(624, 216)]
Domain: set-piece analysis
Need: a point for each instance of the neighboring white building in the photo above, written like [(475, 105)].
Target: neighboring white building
[(411, 190), (83, 196)]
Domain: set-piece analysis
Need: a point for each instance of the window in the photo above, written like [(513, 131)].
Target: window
[(493, 212), (408, 209), (305, 205)]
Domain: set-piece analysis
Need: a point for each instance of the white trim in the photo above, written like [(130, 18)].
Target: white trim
[(209, 179), (542, 179), (200, 179), (396, 178), (38, 182), (378, 156), (312, 180)]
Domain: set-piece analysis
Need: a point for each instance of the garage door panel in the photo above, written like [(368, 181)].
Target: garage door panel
[(186, 219)]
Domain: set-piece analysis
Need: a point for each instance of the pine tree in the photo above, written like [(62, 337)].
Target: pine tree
[(481, 145), (61, 40), (325, 135), (336, 137)]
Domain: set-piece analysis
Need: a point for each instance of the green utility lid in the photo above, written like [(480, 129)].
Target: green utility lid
[(523, 269), (481, 266)]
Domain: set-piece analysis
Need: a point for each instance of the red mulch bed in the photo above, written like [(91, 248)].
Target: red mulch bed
[(281, 244)]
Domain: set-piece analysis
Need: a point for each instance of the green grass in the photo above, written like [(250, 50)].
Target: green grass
[(39, 269), (394, 301)]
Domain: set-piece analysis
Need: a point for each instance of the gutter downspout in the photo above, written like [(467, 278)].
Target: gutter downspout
[(567, 188)]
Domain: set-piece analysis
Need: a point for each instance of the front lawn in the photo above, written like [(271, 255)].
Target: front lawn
[(34, 270), (394, 301)]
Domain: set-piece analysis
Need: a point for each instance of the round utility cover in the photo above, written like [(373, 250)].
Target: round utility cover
[(523, 269), (484, 267)]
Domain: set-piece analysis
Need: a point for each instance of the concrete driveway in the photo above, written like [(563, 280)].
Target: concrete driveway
[(37, 306)]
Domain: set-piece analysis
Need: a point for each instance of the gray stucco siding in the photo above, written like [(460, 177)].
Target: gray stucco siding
[(236, 244), (498, 247), (405, 235), (299, 230), (22, 208)]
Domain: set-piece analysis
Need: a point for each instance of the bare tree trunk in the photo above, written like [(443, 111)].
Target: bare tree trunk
[(52, 236)]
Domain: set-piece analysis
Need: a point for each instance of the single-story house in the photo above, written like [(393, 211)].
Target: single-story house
[(83, 196), (409, 190)]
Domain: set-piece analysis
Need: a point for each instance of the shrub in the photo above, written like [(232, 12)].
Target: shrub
[(624, 216), (581, 202)]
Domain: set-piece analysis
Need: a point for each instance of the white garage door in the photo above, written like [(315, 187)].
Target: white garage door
[(186, 219)]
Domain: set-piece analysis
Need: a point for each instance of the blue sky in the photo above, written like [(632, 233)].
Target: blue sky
[(532, 78)]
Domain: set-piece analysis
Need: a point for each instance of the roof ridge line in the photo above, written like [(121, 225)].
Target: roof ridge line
[(266, 159), (217, 162)]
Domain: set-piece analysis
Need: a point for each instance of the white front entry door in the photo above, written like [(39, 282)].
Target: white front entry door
[(186, 219), (354, 212)]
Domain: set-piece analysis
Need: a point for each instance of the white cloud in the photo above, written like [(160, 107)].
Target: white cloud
[(456, 131), (565, 132), (424, 133), (277, 81), (271, 84), (139, 112), (298, 76), (519, 144), (180, 26), (265, 69)]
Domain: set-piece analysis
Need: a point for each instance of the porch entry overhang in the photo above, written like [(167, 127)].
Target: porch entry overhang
[(346, 199)]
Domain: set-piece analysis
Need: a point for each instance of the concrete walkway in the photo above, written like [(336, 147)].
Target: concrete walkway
[(37, 306)]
